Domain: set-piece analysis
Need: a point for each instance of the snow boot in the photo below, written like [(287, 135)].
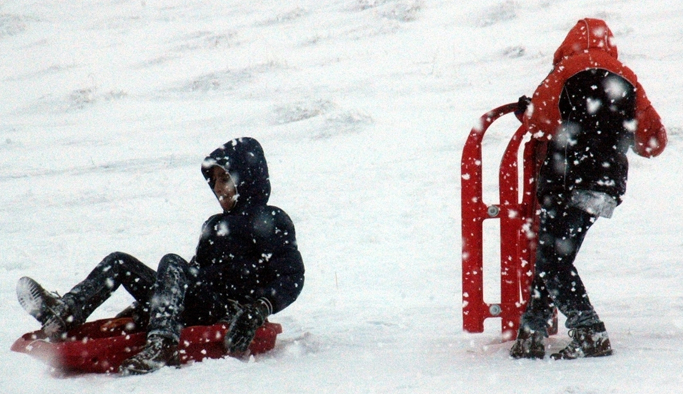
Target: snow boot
[(49, 309), (529, 344), (589, 341), (158, 352)]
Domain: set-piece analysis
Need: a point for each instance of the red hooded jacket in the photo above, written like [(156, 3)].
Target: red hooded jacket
[(588, 45)]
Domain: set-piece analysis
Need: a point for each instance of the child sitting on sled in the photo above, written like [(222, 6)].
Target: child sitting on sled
[(246, 267)]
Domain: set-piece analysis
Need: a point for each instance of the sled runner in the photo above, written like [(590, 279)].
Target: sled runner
[(101, 346), (518, 222)]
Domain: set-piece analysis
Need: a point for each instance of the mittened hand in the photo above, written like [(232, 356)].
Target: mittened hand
[(244, 325), (522, 105), (231, 310)]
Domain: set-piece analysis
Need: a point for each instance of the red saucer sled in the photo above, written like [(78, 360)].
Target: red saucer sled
[(101, 346)]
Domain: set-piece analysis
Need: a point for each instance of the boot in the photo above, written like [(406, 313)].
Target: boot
[(157, 353), (49, 309), (529, 344), (589, 341)]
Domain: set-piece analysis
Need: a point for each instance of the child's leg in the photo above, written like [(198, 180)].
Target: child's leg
[(168, 297), (163, 330), (182, 296), (539, 311), (562, 231), (114, 270)]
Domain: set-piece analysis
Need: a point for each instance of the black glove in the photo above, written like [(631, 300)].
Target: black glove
[(522, 105), (231, 310), (244, 325)]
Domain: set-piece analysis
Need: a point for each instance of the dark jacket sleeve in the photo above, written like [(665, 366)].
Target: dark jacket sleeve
[(284, 276)]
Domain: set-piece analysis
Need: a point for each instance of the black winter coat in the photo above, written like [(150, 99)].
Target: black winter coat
[(249, 252), (589, 151)]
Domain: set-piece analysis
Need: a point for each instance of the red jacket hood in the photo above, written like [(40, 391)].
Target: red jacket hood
[(587, 34)]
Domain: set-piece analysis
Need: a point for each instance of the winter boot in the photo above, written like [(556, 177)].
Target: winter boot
[(49, 309), (157, 353), (589, 341), (529, 344)]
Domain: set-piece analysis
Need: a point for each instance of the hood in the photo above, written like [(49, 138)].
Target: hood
[(587, 34), (244, 160)]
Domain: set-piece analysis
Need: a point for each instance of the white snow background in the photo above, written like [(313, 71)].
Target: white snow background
[(363, 106)]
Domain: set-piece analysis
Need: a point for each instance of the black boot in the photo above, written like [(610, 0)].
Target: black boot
[(589, 341), (49, 309), (157, 353), (529, 344)]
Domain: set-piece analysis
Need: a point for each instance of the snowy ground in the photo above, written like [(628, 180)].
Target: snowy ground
[(362, 106)]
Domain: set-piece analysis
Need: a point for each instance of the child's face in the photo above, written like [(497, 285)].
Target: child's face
[(224, 188)]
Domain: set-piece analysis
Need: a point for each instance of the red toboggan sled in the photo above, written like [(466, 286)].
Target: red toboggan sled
[(101, 346), (516, 212)]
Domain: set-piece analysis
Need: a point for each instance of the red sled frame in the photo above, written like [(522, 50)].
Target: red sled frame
[(517, 229), (102, 345)]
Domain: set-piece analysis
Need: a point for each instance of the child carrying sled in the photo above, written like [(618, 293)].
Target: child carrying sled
[(584, 117), (246, 267)]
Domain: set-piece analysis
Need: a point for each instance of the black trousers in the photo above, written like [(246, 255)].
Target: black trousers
[(556, 281), (174, 295)]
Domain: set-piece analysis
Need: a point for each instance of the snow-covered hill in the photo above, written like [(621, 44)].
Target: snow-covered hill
[(362, 106)]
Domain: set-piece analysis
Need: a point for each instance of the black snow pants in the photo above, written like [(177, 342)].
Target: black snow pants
[(556, 281), (174, 296)]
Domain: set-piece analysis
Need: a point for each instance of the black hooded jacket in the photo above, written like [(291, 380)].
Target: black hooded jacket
[(249, 252), (589, 150)]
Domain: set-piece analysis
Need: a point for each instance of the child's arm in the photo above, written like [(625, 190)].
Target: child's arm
[(285, 271), (283, 277), (650, 135)]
